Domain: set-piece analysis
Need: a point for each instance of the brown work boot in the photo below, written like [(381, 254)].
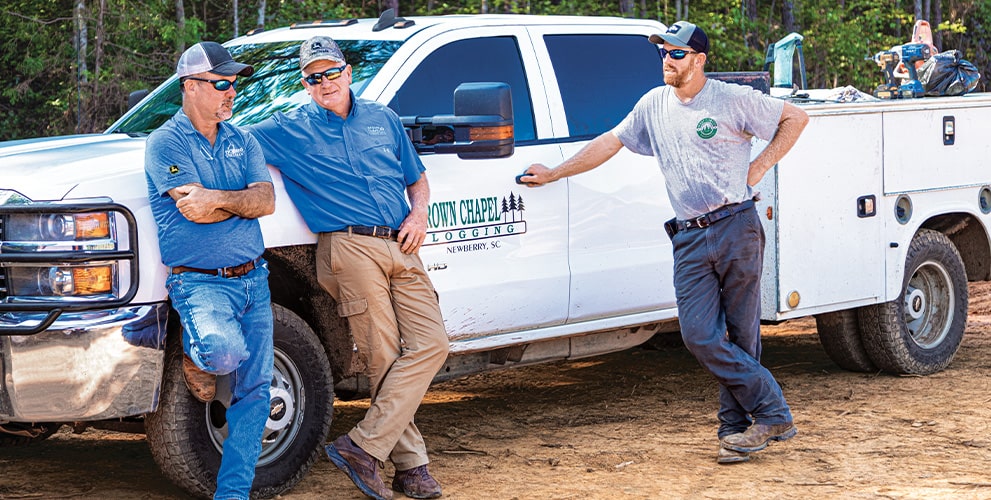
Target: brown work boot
[(757, 437), (201, 384), (416, 483), (726, 456), (362, 468)]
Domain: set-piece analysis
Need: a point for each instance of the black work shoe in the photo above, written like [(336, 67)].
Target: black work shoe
[(726, 456), (361, 467), (201, 384), (416, 483), (757, 437)]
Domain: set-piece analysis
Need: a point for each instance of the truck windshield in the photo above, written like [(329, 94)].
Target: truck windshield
[(274, 86)]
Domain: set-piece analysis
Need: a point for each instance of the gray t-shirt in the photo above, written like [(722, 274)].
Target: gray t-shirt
[(702, 147)]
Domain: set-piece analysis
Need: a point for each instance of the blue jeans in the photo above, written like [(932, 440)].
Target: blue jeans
[(227, 330), (717, 284)]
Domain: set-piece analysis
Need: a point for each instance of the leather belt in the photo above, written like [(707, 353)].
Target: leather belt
[(383, 232), (708, 219), (223, 272)]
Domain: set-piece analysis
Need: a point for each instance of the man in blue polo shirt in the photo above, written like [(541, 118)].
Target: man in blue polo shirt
[(208, 185), (348, 166)]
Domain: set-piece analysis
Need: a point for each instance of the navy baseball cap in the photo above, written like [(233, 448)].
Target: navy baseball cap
[(684, 34)]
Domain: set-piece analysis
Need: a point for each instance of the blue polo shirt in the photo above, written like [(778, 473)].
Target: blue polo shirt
[(176, 154), (342, 172)]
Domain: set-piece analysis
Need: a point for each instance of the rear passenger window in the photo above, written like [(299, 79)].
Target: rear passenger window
[(602, 77), (430, 89)]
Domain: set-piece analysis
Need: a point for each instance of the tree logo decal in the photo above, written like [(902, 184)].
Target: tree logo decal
[(513, 208)]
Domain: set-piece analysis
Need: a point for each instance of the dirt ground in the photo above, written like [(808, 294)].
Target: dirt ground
[(635, 424)]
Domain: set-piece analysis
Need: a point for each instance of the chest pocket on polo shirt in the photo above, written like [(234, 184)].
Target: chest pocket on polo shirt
[(378, 152)]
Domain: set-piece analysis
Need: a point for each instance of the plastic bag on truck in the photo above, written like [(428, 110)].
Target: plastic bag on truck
[(947, 73)]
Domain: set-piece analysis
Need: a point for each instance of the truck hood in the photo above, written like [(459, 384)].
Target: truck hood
[(49, 168)]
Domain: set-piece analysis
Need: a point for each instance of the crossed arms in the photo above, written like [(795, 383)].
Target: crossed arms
[(206, 206)]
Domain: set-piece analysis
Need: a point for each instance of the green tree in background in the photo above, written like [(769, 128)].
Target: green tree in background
[(70, 64)]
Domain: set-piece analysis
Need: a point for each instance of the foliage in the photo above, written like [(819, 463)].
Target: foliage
[(43, 92)]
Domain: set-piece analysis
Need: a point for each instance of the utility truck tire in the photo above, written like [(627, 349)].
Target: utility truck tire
[(920, 332), (186, 436), (841, 338)]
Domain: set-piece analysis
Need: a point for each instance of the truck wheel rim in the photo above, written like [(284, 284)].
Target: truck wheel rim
[(929, 304), (285, 406)]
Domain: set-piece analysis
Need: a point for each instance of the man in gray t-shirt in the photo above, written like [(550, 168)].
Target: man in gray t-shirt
[(700, 132)]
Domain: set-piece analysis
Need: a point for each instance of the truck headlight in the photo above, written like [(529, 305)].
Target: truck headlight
[(62, 281), (59, 232), (66, 256)]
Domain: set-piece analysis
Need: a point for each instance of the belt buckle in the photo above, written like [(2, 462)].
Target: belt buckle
[(700, 222), (387, 233)]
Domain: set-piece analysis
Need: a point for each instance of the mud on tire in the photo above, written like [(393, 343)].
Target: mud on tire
[(920, 332), (185, 436), (842, 339)]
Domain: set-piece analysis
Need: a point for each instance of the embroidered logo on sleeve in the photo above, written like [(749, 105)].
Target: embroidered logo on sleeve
[(706, 128), (174, 169)]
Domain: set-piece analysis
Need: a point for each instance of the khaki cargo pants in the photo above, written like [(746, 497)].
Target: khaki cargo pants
[(396, 323)]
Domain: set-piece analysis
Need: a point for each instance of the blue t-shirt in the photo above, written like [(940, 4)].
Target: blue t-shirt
[(177, 154), (342, 172)]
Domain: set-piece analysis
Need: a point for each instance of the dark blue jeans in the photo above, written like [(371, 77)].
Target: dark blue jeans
[(717, 284), (227, 330)]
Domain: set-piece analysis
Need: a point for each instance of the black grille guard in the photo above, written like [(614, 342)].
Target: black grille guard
[(54, 308)]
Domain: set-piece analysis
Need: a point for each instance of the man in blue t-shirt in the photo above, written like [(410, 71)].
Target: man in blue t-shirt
[(208, 185), (699, 130), (348, 166)]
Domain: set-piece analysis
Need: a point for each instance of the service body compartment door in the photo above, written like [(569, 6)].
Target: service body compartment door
[(620, 257), (917, 157), (825, 249), (496, 251)]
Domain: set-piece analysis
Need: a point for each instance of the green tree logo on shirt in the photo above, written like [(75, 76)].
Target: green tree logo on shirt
[(706, 128)]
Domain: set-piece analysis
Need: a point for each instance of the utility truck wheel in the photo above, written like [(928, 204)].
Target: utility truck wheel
[(186, 437), (841, 338), (920, 331)]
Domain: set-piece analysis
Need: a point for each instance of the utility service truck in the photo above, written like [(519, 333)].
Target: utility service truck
[(876, 221)]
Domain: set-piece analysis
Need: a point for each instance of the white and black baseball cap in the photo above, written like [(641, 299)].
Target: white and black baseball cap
[(210, 57)]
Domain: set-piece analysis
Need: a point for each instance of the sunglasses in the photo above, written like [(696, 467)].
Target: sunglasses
[(330, 74), (676, 54), (221, 85)]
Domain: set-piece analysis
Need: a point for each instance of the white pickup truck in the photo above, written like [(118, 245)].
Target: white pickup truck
[(876, 220)]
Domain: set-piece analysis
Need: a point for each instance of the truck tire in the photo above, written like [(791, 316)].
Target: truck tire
[(186, 436), (841, 338), (920, 332), (40, 431)]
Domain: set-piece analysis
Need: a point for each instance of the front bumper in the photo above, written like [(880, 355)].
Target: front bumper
[(91, 365)]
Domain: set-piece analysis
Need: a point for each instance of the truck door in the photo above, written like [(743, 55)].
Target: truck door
[(496, 251), (620, 257)]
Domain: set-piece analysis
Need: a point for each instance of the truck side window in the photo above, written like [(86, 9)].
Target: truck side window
[(602, 77), (430, 89)]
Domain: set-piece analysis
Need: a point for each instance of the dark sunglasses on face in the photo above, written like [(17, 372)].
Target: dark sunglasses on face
[(330, 74), (676, 54), (221, 85)]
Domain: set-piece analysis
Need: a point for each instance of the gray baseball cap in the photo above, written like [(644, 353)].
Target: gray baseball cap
[(319, 48), (684, 34), (210, 57)]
